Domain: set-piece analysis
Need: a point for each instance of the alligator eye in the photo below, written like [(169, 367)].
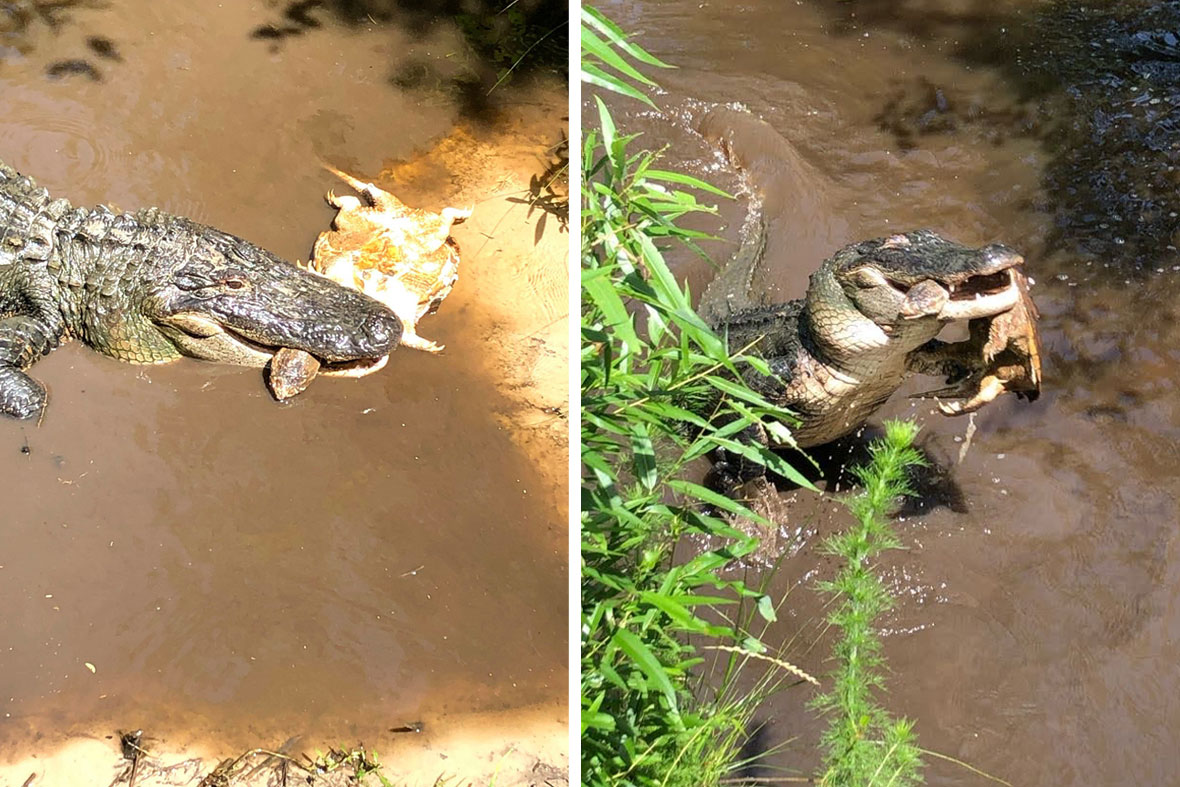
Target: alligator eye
[(864, 279), (235, 284)]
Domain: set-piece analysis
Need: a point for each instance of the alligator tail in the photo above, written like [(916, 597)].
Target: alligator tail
[(731, 290)]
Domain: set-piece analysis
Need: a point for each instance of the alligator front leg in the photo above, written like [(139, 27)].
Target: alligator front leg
[(23, 339), (731, 471)]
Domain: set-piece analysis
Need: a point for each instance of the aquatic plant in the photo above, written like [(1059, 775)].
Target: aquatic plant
[(863, 744)]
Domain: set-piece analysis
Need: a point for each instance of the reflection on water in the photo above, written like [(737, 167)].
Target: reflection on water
[(1035, 634), (224, 562)]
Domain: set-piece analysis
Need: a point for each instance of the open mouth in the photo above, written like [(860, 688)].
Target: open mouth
[(982, 295), (985, 295), (981, 286), (355, 367), (971, 288)]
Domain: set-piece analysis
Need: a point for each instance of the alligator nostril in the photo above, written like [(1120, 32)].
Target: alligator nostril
[(384, 330), (1002, 255)]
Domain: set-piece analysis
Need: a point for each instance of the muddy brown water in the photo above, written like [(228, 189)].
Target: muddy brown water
[(1036, 631), (377, 552)]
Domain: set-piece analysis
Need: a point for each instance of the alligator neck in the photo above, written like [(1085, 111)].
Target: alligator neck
[(841, 337), (103, 265), (837, 333)]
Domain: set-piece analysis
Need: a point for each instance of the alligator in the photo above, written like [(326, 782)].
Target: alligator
[(868, 321), (149, 288)]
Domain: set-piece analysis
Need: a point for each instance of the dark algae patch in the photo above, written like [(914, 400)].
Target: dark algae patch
[(1098, 84)]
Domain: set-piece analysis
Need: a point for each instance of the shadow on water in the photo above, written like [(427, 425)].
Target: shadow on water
[(832, 467), (548, 191), (510, 40), (506, 40), (1097, 84), (835, 463)]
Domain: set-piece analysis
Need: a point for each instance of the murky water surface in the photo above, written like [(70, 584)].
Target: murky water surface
[(376, 552), (1036, 635)]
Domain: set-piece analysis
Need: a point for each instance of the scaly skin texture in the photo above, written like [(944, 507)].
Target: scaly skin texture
[(149, 288), (868, 321)]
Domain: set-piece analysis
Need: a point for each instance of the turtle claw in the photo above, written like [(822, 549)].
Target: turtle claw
[(456, 215), (962, 399), (416, 342)]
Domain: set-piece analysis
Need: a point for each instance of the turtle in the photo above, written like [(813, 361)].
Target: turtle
[(1004, 352), (404, 257)]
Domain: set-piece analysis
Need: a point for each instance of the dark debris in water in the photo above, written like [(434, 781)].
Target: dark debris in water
[(917, 108), (338, 766), (104, 47), (20, 20), (73, 67), (298, 19)]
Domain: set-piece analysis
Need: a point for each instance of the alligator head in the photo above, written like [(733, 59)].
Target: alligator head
[(233, 302), (921, 275), (901, 290)]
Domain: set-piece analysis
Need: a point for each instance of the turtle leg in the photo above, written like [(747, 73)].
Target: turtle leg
[(23, 339), (404, 304), (988, 389), (456, 215), (415, 342), (343, 203), (354, 215)]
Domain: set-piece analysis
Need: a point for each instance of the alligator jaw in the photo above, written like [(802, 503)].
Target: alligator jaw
[(981, 296), (985, 295), (198, 336)]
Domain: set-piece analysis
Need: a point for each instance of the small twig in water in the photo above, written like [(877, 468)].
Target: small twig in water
[(971, 768), (967, 438), (414, 726), (791, 668), (523, 56)]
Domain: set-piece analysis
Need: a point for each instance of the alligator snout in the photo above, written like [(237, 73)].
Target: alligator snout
[(348, 326), (380, 333), (998, 257)]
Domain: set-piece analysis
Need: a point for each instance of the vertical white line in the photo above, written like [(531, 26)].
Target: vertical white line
[(575, 267)]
